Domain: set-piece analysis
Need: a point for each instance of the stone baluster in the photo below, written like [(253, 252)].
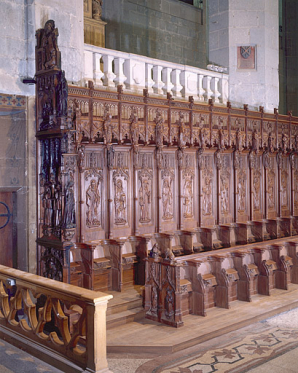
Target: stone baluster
[(158, 83), (201, 90), (88, 57), (120, 77), (207, 87), (166, 78), (109, 76), (224, 88), (214, 87), (97, 73), (149, 82), (177, 87)]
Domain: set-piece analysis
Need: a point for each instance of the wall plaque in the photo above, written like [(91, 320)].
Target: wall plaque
[(246, 57)]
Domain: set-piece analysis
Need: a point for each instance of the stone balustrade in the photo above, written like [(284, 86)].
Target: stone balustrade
[(110, 68), (60, 323)]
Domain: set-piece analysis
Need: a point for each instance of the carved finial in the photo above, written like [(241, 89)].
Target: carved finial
[(120, 89), (191, 99), (275, 111), (245, 107), (145, 92), (90, 84), (229, 106), (170, 96), (261, 109), (210, 102), (290, 113)]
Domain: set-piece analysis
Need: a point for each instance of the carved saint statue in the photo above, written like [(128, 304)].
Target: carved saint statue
[(134, 129), (145, 201), (167, 199), (48, 207), (49, 44), (241, 193), (96, 9), (188, 198), (120, 203), (256, 192), (58, 206), (159, 129), (284, 189), (92, 202), (207, 195), (69, 219), (271, 191), (224, 195)]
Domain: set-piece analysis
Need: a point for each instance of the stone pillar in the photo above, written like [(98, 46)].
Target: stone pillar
[(254, 26)]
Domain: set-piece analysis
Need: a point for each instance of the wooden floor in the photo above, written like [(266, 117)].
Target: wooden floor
[(145, 336)]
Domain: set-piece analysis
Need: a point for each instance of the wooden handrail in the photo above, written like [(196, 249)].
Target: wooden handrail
[(59, 320)]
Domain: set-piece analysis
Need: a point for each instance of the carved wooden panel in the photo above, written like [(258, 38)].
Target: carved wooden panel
[(168, 192), (241, 187), (93, 197), (188, 190), (207, 188), (271, 192), (145, 192), (256, 191), (120, 197), (225, 187), (284, 182)]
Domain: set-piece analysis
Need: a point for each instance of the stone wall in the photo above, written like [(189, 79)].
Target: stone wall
[(169, 30)]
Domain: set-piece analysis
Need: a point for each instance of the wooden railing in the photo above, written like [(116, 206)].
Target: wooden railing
[(60, 323)]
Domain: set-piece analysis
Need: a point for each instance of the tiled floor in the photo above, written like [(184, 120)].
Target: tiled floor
[(269, 346)]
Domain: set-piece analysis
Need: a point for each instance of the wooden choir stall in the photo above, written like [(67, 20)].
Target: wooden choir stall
[(140, 189)]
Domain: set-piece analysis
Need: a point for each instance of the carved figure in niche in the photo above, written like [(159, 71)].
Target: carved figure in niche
[(58, 207), (154, 299), (188, 198), (270, 143), (120, 203), (181, 140), (134, 129), (96, 9), (169, 303), (241, 192), (145, 201), (224, 192), (107, 126), (93, 203), (159, 129), (69, 219), (271, 191), (49, 44), (284, 190), (238, 144), (256, 192), (284, 141), (255, 141), (202, 139), (207, 196), (221, 143), (48, 207), (167, 199), (81, 158), (62, 94)]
